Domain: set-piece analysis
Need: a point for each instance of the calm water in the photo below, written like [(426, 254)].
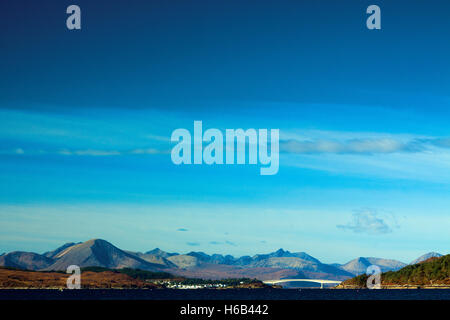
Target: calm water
[(230, 294)]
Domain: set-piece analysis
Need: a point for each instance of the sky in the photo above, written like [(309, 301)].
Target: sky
[(86, 118)]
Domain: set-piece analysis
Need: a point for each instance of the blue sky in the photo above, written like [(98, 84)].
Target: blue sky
[(86, 118)]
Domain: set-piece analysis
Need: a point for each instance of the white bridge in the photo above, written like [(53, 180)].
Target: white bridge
[(322, 282)]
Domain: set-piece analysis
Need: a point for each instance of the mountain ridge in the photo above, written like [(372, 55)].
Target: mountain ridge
[(279, 263), (98, 252), (359, 265), (426, 256)]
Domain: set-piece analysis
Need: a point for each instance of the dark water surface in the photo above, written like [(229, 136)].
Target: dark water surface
[(228, 294)]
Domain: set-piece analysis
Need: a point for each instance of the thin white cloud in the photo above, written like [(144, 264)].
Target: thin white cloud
[(431, 166), (89, 152), (356, 146), (342, 142), (86, 152), (158, 138), (148, 151)]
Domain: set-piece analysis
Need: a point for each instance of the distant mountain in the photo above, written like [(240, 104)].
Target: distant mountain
[(184, 261), (214, 258), (280, 253), (426, 257), (160, 253), (25, 260), (195, 263), (220, 259), (337, 265), (99, 253), (243, 261), (222, 271), (54, 253), (359, 265), (200, 256), (152, 258), (299, 262), (310, 269)]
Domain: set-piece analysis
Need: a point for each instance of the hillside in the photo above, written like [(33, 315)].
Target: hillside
[(54, 253), (12, 278), (25, 260), (432, 272)]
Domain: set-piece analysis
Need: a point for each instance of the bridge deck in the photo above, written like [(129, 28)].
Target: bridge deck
[(321, 281)]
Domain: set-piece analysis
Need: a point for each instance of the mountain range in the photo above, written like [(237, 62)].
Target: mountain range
[(275, 265)]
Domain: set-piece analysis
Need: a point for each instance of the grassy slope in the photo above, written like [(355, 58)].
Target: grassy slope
[(14, 278), (434, 271)]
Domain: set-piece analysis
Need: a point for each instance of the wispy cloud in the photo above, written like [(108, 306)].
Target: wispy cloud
[(182, 229), (298, 141), (115, 133), (360, 146), (368, 221), (93, 152), (225, 242), (193, 244), (89, 152), (158, 138), (292, 146), (85, 152)]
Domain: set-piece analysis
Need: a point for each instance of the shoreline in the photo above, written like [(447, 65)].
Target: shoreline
[(396, 287), (228, 294)]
